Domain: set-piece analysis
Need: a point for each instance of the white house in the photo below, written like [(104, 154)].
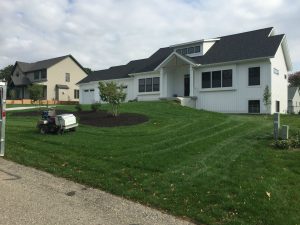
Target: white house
[(293, 100), (225, 74)]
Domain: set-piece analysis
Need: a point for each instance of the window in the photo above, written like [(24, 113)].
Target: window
[(197, 48), (92, 90), (155, 83), (149, 84), (191, 50), (254, 106), (44, 74), (76, 94), (278, 106), (86, 90), (184, 51), (178, 51), (216, 79), (227, 78), (206, 80), (17, 74), (142, 83), (67, 77), (36, 75), (254, 76), (275, 71)]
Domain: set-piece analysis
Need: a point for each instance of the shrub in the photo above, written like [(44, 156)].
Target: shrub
[(282, 144), (78, 108), (95, 107)]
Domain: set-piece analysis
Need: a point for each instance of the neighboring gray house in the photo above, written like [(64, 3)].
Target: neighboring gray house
[(57, 75), (293, 100)]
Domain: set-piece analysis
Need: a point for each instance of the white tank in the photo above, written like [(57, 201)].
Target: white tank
[(65, 120)]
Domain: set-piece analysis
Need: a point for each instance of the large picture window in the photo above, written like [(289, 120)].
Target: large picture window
[(36, 75), (217, 79), (254, 76), (149, 84)]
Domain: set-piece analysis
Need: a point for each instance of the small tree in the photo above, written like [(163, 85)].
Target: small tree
[(35, 92), (267, 98), (113, 94)]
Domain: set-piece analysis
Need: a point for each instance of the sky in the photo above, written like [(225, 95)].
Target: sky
[(105, 33)]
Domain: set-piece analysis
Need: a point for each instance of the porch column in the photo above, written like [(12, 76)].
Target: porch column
[(162, 83), (191, 81)]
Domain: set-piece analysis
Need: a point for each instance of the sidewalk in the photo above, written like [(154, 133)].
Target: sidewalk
[(30, 196)]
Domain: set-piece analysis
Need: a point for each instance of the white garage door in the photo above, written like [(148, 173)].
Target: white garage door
[(88, 96)]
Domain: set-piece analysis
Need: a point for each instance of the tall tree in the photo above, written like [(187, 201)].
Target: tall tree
[(6, 72), (294, 79)]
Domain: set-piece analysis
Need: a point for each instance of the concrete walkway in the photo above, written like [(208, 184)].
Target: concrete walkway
[(30, 196), (23, 108)]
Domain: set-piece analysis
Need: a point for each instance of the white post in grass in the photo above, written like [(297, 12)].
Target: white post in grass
[(276, 125)]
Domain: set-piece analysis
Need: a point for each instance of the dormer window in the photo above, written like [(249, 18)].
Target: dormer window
[(184, 51), (191, 50), (197, 49)]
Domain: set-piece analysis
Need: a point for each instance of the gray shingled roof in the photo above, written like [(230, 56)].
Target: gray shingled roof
[(242, 46), (39, 65)]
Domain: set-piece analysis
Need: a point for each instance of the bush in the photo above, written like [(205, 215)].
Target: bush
[(95, 107), (287, 144), (78, 108)]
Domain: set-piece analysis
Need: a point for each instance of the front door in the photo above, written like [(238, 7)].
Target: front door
[(187, 85)]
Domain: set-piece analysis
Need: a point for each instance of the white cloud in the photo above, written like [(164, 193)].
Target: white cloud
[(104, 33)]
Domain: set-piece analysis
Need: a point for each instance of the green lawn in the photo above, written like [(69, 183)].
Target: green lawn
[(211, 168)]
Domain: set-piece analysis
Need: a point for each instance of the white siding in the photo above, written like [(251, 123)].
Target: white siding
[(279, 82), (235, 99), (145, 96), (88, 97)]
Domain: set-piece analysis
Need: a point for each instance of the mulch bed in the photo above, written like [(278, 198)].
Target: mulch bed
[(98, 119)]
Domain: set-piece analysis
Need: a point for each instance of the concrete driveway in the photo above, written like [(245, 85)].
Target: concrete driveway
[(30, 196)]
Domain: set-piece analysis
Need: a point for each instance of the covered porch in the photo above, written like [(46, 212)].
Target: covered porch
[(177, 79)]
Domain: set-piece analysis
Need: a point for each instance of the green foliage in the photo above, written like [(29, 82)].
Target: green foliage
[(88, 70), (267, 98), (78, 108), (294, 79), (113, 94), (95, 107), (35, 92), (207, 167), (6, 72)]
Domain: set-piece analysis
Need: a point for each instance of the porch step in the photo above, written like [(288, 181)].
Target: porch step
[(184, 101)]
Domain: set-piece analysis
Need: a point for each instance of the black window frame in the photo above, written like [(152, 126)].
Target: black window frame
[(76, 94), (207, 83), (156, 83), (254, 106), (44, 74), (197, 48), (254, 76), (191, 50), (216, 79), (142, 85), (149, 87), (184, 51), (36, 75), (227, 81), (277, 106)]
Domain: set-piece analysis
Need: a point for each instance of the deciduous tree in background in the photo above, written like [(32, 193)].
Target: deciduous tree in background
[(294, 79), (113, 94), (35, 92)]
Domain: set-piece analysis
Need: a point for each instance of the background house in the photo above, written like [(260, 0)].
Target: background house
[(293, 100), (225, 74), (58, 76)]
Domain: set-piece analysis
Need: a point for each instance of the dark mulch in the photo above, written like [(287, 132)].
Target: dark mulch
[(98, 119)]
